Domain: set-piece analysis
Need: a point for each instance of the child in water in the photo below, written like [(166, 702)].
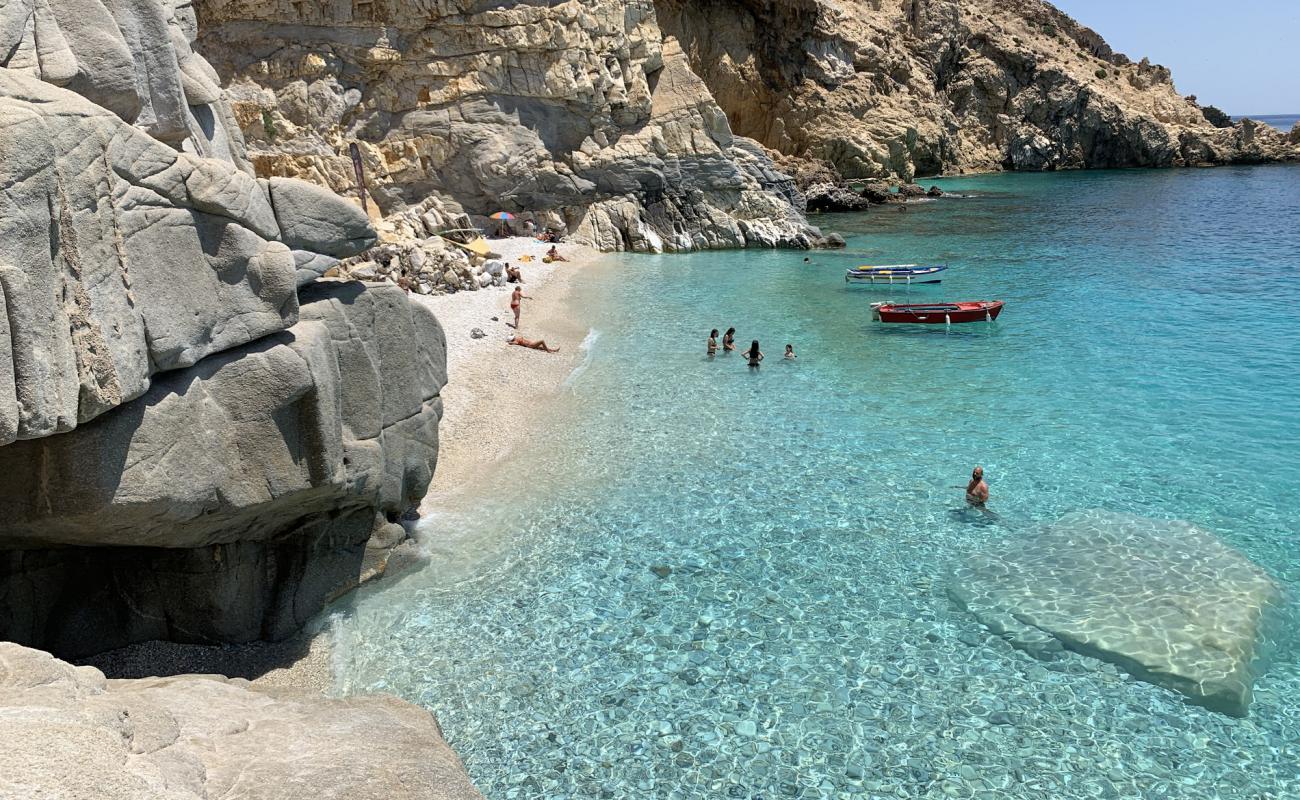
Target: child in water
[(789, 351)]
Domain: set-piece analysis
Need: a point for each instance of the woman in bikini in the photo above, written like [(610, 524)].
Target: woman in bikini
[(713, 342), (516, 297), (754, 354), (729, 340), (532, 344)]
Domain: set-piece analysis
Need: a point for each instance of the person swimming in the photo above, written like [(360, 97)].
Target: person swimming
[(789, 351), (713, 342), (729, 340), (754, 354), (977, 491)]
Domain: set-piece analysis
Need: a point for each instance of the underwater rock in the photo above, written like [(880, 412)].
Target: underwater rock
[(1166, 601)]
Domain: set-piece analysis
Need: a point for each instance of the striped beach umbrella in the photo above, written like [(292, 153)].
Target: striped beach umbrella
[(503, 215)]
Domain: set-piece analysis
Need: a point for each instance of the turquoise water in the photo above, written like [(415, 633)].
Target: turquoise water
[(1283, 122), (709, 581)]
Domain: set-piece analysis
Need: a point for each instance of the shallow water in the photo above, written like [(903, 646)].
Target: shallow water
[(710, 581)]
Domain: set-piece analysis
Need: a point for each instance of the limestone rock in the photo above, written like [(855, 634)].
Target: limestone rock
[(69, 733), (924, 87), (315, 219), (236, 496), (581, 113), (119, 258), (132, 57), (1166, 601)]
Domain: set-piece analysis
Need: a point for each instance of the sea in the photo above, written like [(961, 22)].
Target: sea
[(702, 580), (1283, 122)]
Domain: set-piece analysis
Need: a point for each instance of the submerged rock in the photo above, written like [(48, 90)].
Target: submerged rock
[(1166, 601), (70, 733)]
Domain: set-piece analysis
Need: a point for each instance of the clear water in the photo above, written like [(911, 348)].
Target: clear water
[(802, 644), (1283, 122)]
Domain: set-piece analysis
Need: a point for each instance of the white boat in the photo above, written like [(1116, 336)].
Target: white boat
[(907, 274)]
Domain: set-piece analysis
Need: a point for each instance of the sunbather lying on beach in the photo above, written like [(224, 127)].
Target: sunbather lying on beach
[(532, 344)]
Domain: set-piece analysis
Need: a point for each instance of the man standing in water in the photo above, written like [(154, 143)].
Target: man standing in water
[(977, 491)]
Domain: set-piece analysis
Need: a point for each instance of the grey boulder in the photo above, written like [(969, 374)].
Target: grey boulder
[(313, 218), (69, 733), (236, 497)]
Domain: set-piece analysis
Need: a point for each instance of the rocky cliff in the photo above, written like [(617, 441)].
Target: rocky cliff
[(580, 115), (901, 88), (197, 441), (633, 124)]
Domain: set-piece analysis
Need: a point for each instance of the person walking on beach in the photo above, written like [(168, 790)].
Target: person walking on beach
[(713, 342), (729, 340), (516, 298), (977, 491), (789, 351), (754, 354)]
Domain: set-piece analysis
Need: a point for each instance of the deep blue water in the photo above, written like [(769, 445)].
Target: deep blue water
[(1283, 122), (794, 638)]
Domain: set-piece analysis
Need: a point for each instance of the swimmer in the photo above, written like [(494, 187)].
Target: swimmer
[(754, 354), (789, 352), (977, 491)]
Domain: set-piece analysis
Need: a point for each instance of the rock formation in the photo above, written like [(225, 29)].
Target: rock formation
[(69, 733), (579, 114), (902, 88), (1166, 601), (197, 442)]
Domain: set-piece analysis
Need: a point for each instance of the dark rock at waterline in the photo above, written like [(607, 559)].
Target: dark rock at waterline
[(934, 191), (879, 193), (663, 571), (833, 241), (910, 190), (832, 197)]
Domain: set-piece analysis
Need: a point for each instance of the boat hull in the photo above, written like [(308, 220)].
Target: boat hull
[(938, 314), (896, 275)]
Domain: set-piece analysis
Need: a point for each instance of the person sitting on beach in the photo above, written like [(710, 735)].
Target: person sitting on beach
[(729, 340), (532, 344), (754, 354), (516, 299), (513, 274), (554, 254), (713, 342), (977, 491), (789, 351)]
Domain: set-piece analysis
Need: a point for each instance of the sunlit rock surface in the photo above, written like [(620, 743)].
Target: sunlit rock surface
[(1166, 601)]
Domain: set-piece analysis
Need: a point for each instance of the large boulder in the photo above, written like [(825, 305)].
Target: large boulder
[(121, 257), (235, 497), (1166, 601), (132, 57), (69, 733)]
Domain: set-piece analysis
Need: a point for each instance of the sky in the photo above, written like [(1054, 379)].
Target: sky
[(1239, 56)]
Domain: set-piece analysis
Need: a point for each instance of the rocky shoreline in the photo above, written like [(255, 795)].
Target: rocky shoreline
[(224, 371)]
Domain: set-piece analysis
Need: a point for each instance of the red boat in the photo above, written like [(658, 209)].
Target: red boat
[(937, 313)]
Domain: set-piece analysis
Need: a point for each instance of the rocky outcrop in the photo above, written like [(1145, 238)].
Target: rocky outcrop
[(198, 443), (1166, 601), (579, 113), (920, 87), (121, 258), (236, 496), (69, 733)]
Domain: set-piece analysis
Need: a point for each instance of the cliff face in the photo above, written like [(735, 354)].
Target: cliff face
[(899, 88), (578, 113), (196, 443)]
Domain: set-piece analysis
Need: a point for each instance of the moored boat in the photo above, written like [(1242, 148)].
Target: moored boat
[(937, 313), (907, 274)]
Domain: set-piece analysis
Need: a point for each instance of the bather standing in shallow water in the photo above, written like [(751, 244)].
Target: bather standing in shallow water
[(729, 340), (712, 345), (754, 354), (977, 491)]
